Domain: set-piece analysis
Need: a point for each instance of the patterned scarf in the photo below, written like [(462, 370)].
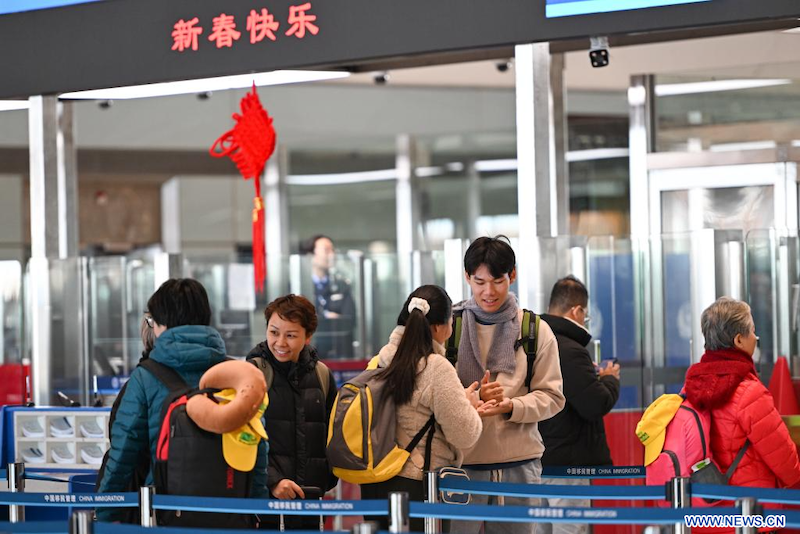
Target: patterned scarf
[(502, 356)]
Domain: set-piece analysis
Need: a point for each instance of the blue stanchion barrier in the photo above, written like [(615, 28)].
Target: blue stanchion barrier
[(713, 491), (270, 506), (75, 500), (38, 527), (459, 485), (111, 528), (792, 517), (523, 514), (619, 471)]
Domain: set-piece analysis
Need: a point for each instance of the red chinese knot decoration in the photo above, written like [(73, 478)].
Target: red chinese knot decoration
[(249, 144)]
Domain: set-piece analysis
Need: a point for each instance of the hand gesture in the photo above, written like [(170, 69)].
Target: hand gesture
[(490, 408), (490, 390), (611, 368), (287, 490)]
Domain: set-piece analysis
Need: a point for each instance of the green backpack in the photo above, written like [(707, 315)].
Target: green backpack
[(528, 340)]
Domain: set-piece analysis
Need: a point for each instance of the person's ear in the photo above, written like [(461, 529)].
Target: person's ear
[(466, 276), (513, 275), (308, 339)]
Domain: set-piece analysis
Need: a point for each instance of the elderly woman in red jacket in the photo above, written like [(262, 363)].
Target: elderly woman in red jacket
[(725, 382)]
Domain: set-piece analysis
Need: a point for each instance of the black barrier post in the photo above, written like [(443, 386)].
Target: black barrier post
[(432, 524), (748, 507), (679, 493), (81, 522), (367, 527), (398, 512), (16, 484), (146, 513)]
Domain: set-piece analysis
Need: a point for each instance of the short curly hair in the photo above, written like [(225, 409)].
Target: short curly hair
[(295, 308)]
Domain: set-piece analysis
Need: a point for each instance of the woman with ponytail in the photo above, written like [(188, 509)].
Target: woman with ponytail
[(424, 383)]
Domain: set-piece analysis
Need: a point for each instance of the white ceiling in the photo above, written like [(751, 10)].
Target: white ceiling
[(757, 55)]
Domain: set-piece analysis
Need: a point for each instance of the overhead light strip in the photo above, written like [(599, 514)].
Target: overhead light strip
[(204, 85), (714, 86), (13, 105)]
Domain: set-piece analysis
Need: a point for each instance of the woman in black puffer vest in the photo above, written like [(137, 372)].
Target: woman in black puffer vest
[(302, 391)]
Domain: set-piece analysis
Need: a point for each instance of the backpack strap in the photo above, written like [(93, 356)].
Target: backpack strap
[(529, 342), (324, 377), (165, 374), (265, 367), (737, 460), (414, 442), (451, 349)]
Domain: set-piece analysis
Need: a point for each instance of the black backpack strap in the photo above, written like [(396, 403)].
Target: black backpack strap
[(429, 446), (529, 342), (737, 460), (414, 442), (451, 349), (166, 375)]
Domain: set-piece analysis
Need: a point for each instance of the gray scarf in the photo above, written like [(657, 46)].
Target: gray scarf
[(502, 356)]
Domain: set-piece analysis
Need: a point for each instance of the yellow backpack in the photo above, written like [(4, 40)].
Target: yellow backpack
[(361, 434)]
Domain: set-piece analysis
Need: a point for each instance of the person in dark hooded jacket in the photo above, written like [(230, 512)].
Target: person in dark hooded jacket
[(300, 403), (742, 409)]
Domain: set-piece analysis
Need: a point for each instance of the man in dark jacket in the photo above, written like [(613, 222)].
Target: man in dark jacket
[(576, 436)]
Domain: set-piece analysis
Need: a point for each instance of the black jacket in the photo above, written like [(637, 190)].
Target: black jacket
[(577, 436), (297, 420)]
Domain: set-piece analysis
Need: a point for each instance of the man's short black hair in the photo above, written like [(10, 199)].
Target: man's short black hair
[(179, 302), (308, 246), (495, 253), (567, 293)]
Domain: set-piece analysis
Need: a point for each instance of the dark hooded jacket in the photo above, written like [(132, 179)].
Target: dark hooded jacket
[(725, 383), (297, 419), (576, 435)]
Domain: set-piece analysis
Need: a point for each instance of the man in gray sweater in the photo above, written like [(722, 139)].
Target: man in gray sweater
[(510, 447)]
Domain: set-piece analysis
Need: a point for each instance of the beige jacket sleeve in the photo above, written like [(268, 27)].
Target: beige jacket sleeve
[(546, 397), (458, 420)]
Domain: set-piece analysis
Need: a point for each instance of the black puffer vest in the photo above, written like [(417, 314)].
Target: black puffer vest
[(296, 420)]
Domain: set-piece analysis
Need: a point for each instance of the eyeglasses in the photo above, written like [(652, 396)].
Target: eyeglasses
[(149, 320), (585, 311)]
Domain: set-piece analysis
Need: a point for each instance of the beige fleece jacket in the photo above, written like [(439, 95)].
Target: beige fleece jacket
[(439, 392), (515, 437)]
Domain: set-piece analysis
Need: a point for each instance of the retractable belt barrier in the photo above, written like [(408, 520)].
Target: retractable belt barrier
[(593, 471), (634, 493), (38, 527), (74, 500), (527, 514), (269, 506)]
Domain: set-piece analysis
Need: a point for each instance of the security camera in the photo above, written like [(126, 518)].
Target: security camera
[(105, 104), (503, 66), (598, 52), (205, 95), (381, 78)]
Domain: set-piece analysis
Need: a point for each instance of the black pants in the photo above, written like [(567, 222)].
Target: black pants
[(381, 490)]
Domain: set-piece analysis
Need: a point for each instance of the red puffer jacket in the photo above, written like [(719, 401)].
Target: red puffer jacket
[(725, 382)]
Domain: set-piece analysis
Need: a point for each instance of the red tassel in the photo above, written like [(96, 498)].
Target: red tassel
[(259, 254)]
